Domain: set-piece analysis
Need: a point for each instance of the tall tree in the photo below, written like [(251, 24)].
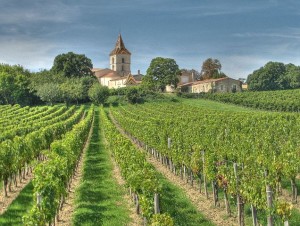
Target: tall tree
[(161, 72), (293, 75), (272, 76), (14, 85), (211, 68), (71, 64)]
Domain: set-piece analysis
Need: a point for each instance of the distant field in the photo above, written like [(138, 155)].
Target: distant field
[(214, 105), (281, 100)]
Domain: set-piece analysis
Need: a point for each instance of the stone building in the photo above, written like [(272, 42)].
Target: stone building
[(119, 74), (220, 85)]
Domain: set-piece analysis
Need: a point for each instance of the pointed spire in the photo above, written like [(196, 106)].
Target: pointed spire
[(120, 47)]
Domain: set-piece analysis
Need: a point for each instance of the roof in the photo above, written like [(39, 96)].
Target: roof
[(129, 79), (138, 77), (120, 47), (211, 80), (105, 73)]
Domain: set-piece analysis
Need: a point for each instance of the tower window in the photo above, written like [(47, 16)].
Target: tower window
[(123, 60), (113, 60), (113, 68)]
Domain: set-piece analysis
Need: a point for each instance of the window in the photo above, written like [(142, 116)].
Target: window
[(113, 67), (123, 60), (222, 87), (113, 60), (233, 88), (122, 68)]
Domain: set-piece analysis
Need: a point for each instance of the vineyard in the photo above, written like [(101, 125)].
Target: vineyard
[(166, 163), (246, 156), (282, 100)]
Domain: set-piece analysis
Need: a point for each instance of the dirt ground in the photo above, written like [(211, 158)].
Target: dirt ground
[(6, 201)]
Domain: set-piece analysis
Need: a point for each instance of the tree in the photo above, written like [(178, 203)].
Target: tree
[(49, 92), (71, 64), (98, 94), (293, 75), (272, 76), (133, 95), (14, 85), (72, 90), (211, 68), (161, 72)]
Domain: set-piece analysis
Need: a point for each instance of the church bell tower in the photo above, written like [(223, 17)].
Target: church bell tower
[(120, 58)]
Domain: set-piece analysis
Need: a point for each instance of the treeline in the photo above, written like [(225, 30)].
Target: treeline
[(274, 76), (280, 100), (70, 80)]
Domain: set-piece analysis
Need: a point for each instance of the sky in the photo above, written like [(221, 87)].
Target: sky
[(243, 35)]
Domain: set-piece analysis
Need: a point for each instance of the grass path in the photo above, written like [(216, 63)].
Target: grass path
[(18, 208), (99, 197), (175, 202)]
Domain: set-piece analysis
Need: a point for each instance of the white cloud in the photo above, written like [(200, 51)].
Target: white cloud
[(31, 53)]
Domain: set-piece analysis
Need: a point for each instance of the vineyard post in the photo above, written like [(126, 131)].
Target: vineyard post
[(254, 215), (269, 201), (238, 197), (156, 203), (169, 142), (204, 177), (39, 200)]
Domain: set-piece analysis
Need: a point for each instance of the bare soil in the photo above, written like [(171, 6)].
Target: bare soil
[(135, 218), (13, 194), (65, 215)]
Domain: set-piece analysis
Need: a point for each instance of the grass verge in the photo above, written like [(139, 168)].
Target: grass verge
[(99, 198), (18, 208), (175, 202)]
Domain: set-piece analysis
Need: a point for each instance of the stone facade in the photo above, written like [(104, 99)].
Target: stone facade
[(221, 85)]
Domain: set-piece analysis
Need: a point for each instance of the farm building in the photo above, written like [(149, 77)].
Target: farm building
[(220, 85)]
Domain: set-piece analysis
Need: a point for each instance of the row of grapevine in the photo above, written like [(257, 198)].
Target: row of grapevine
[(139, 175), (52, 177), (3, 108), (25, 128), (16, 119), (239, 153), (281, 100), (17, 154), (7, 109)]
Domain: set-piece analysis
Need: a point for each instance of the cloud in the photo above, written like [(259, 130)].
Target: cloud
[(31, 53), (37, 11)]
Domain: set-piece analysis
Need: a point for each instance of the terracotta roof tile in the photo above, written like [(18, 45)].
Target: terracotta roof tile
[(120, 47)]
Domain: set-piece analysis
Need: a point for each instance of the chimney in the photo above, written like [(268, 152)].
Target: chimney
[(139, 72)]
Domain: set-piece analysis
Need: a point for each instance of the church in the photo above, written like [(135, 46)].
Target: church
[(119, 74)]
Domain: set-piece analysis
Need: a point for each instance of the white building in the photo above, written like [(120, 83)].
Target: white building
[(119, 74)]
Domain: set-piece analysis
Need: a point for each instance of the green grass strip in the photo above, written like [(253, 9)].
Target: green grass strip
[(18, 208), (175, 202), (99, 198)]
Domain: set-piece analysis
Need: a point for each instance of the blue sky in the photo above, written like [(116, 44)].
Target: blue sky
[(242, 34)]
